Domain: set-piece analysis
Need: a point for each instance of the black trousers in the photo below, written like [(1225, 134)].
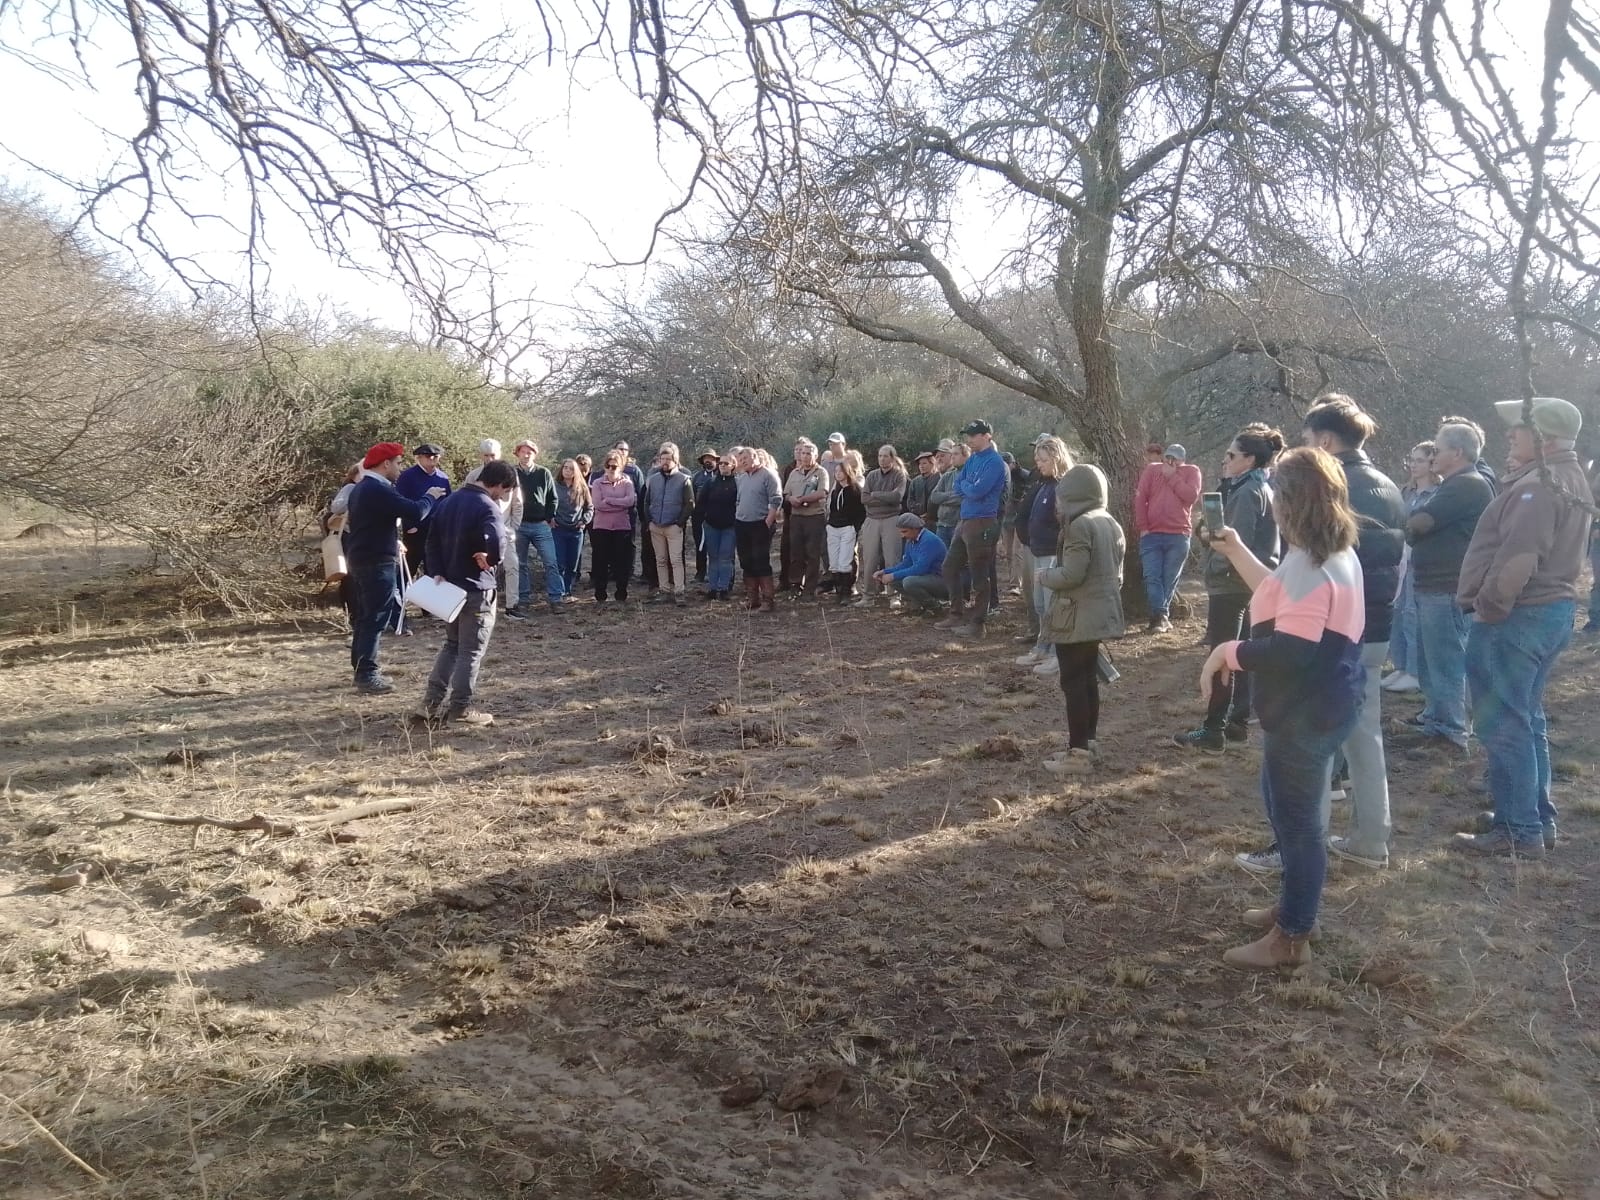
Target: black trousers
[(753, 539), (1227, 619), (612, 562), (1080, 684)]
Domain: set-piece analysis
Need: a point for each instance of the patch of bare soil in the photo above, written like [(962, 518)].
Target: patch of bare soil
[(734, 905)]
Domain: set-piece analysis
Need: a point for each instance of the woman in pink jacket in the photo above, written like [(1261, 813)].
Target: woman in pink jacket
[(1163, 508), (612, 532)]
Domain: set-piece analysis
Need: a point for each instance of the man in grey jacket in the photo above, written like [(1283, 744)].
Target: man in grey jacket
[(668, 505)]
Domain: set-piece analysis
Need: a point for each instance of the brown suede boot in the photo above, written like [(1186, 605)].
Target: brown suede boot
[(769, 594), (1273, 950), (1266, 918), (752, 593)]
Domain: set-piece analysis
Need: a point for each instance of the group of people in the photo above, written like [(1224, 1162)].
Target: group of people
[(1320, 571)]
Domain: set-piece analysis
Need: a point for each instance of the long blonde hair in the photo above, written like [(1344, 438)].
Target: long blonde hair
[(1054, 451), (579, 485)]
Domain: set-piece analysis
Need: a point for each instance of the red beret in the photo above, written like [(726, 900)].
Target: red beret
[(382, 453)]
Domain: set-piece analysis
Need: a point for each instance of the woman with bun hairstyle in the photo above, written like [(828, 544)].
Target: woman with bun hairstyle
[(1307, 618), (1247, 510)]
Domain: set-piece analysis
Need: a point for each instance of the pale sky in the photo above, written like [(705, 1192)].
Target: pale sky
[(586, 189)]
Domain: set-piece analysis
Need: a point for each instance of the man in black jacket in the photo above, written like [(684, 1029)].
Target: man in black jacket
[(464, 546), (1337, 424)]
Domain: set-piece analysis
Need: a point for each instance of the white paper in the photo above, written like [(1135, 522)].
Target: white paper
[(443, 600)]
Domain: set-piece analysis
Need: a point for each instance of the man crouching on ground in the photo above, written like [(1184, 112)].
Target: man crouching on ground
[(464, 545)]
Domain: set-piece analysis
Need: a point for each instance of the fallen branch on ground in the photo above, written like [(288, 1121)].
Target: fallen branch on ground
[(277, 826), (51, 1138), (181, 694)]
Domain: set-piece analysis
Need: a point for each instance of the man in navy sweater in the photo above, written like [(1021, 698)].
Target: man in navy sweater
[(464, 546), (372, 555), (414, 483), (980, 484)]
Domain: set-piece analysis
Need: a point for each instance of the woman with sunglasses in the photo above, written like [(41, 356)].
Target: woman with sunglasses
[(1247, 510)]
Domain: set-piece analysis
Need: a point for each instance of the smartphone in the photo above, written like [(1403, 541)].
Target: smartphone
[(1211, 512)]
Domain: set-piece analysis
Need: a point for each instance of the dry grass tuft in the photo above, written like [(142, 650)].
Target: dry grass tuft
[(1126, 973), (1526, 1094)]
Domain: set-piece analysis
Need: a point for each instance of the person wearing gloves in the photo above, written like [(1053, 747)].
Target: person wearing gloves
[(1519, 581), (919, 575), (374, 517), (1163, 512), (1085, 607)]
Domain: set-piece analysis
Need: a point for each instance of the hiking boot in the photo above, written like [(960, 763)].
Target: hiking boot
[(1267, 918), (953, 621), (1211, 741), (1273, 950), (971, 631), (1048, 666), (1341, 847), (1073, 762), (1497, 842), (1261, 862), (680, 599), (516, 613), (656, 596), (559, 608), (470, 716), (1236, 731), (428, 714), (1485, 824), (1158, 625), (374, 685)]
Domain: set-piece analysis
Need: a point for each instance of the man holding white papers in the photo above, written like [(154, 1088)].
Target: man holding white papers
[(464, 547)]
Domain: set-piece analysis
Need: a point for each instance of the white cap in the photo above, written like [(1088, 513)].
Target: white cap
[(488, 446), (835, 437)]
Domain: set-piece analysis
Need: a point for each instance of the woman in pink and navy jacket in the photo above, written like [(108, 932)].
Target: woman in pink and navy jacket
[(1304, 656)]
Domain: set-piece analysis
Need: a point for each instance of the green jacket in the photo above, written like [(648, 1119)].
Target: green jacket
[(1085, 603)]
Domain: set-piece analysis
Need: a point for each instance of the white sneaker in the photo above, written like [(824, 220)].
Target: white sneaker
[(1341, 848), (1261, 862), (1030, 659), (1390, 678), (1401, 682), (1073, 762), (1048, 667)]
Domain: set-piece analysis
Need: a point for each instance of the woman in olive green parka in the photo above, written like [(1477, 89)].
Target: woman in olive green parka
[(1086, 605)]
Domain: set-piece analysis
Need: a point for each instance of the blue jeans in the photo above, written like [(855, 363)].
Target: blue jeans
[(1594, 582), (569, 549), (947, 534), (542, 537), (455, 668), (718, 545), (1507, 667), (1296, 770), (377, 596), (1404, 647), (1162, 556), (1442, 644)]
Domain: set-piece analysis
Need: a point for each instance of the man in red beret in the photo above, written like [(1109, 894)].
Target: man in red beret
[(372, 555)]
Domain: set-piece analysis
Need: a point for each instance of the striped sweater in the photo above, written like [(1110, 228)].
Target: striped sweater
[(1304, 651)]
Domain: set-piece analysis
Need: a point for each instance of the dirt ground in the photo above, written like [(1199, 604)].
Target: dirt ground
[(709, 866)]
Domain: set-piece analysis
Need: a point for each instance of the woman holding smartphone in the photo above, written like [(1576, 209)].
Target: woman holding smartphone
[(1247, 510), (1307, 618)]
